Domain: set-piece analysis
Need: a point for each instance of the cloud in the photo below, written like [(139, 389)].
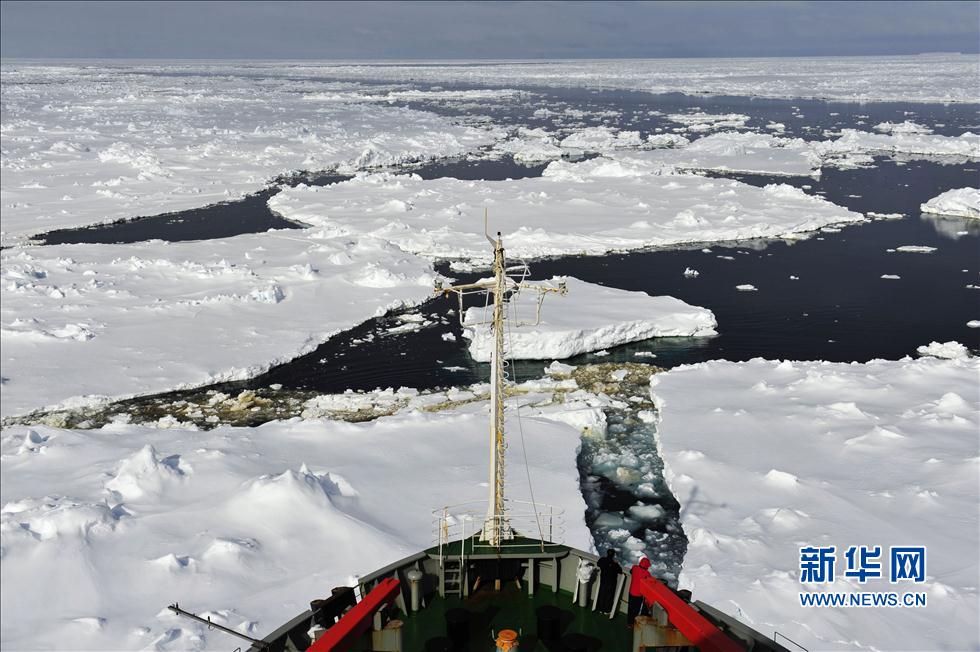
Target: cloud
[(480, 30)]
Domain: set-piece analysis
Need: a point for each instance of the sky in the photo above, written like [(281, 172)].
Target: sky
[(482, 30)]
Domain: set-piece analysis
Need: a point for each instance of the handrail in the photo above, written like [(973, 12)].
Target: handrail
[(346, 632), (700, 631), (449, 522), (175, 607)]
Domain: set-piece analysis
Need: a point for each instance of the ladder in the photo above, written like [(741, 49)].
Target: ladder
[(452, 580)]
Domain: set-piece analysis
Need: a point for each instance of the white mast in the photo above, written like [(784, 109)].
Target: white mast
[(495, 526)]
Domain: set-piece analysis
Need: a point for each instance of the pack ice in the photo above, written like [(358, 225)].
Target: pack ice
[(86, 322), (88, 144), (766, 457), (923, 78), (570, 324), (101, 529), (959, 202), (590, 207)]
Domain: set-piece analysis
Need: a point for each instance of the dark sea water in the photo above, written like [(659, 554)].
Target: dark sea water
[(251, 214), (837, 308)]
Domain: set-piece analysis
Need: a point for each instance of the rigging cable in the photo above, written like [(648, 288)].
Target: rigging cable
[(520, 427)]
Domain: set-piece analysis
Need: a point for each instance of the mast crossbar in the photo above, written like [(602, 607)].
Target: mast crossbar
[(496, 527)]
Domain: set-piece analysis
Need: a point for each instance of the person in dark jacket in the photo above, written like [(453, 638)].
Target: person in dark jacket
[(635, 608), (609, 572)]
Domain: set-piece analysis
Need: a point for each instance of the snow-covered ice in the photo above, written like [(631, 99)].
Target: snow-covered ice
[(531, 146), (947, 350), (855, 147), (905, 127), (101, 529), (87, 321), (734, 152), (768, 456), (922, 78), (762, 153), (589, 207), (699, 121), (959, 202), (588, 318), (602, 139), (86, 144)]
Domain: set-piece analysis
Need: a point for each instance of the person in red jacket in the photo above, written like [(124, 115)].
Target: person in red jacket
[(636, 604)]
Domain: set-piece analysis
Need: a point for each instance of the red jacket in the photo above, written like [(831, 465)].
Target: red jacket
[(638, 571)]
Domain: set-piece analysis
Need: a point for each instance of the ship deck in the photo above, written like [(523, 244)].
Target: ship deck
[(512, 608)]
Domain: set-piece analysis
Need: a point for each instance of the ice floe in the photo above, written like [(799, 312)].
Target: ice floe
[(959, 202), (790, 454), (906, 127), (947, 350), (734, 152), (530, 146), (82, 322), (700, 121), (855, 147), (572, 323), (589, 207), (270, 518), (88, 144), (922, 78), (602, 139)]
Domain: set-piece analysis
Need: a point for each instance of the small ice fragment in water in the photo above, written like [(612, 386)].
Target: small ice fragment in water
[(951, 350), (746, 287)]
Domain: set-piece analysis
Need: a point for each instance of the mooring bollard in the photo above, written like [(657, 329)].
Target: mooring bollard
[(414, 579)]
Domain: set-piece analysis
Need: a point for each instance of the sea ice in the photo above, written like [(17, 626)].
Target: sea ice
[(83, 322), (734, 152), (86, 144), (531, 146), (830, 454), (699, 121), (959, 202), (906, 127), (589, 207), (570, 324), (602, 139), (261, 520), (855, 147), (948, 350), (939, 78)]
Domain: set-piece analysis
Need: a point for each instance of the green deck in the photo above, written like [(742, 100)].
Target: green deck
[(513, 608)]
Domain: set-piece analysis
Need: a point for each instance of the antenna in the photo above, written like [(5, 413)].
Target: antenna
[(486, 227), (496, 526)]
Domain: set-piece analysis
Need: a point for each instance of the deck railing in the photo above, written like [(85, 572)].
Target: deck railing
[(521, 520)]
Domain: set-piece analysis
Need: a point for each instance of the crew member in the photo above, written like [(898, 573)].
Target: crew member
[(636, 604), (609, 571)]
